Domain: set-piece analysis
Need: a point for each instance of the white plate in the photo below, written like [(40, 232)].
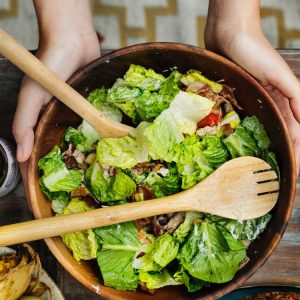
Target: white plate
[(54, 292)]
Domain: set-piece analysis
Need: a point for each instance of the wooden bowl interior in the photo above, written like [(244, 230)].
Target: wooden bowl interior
[(160, 57)]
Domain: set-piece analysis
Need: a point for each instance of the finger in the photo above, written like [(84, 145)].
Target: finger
[(31, 99), (24, 172), (287, 83), (293, 125)]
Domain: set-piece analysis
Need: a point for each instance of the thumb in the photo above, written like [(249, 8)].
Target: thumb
[(32, 98), (286, 82)]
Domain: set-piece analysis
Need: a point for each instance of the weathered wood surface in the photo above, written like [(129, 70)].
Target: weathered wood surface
[(283, 267)]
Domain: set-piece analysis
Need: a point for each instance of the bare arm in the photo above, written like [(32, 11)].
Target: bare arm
[(234, 29), (67, 41)]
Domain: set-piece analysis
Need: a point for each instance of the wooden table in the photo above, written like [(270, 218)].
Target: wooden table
[(283, 267)]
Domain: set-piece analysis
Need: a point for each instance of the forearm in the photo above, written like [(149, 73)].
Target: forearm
[(63, 20), (230, 17)]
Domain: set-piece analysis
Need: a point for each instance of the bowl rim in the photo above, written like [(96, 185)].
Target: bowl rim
[(52, 242)]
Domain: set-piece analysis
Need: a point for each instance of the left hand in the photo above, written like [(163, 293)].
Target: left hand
[(251, 50)]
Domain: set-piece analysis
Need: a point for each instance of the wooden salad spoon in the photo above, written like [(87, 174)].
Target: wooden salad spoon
[(242, 188), (36, 70)]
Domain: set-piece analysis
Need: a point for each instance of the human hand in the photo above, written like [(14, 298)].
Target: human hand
[(243, 42), (67, 42)]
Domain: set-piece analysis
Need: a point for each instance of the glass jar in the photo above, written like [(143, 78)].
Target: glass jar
[(9, 171)]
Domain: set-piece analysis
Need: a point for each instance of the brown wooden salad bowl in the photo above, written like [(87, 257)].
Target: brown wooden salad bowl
[(160, 57)]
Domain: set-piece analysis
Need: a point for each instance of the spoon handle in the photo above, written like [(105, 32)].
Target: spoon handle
[(36, 70), (55, 226)]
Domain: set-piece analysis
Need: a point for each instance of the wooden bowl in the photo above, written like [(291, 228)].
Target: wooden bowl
[(160, 57)]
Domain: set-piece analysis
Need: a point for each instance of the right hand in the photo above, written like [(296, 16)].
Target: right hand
[(63, 58)]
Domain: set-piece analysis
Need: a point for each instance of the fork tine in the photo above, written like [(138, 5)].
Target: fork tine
[(266, 187), (264, 176)]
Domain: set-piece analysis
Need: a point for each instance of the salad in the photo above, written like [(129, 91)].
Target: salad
[(186, 127)]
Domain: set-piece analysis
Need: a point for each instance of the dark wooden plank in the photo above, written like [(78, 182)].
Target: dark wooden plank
[(282, 267)]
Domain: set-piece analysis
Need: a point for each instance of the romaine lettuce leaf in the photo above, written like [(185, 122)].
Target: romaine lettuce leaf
[(165, 249), (184, 228), (84, 137), (197, 159), (98, 98), (193, 75), (150, 104), (156, 280), (164, 186), (83, 244), (241, 143), (243, 230), (143, 78), (162, 136), (252, 125), (119, 244), (207, 256), (188, 109), (193, 284), (118, 152), (108, 188), (56, 176)]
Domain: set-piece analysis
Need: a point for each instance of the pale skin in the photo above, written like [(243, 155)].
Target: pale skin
[(68, 41)]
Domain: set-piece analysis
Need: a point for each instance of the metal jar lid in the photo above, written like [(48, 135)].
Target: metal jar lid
[(9, 171)]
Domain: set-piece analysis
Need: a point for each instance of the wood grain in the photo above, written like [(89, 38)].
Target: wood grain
[(36, 70), (283, 267)]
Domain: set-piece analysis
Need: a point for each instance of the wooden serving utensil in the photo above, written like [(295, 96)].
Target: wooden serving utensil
[(36, 70), (242, 188)]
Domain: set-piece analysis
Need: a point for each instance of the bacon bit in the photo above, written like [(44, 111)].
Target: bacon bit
[(91, 201), (142, 224), (147, 192), (141, 254), (71, 162), (227, 129), (69, 151), (227, 93), (82, 191)]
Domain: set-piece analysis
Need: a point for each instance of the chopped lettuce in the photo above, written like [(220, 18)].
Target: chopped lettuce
[(249, 139), (84, 137), (108, 188), (193, 284), (197, 159), (165, 249), (193, 75), (83, 244), (59, 200), (56, 176), (98, 98), (207, 256), (155, 280), (184, 228), (159, 253), (118, 152), (243, 230), (146, 79), (150, 104), (252, 125), (162, 136), (164, 186), (241, 143), (119, 244), (188, 109)]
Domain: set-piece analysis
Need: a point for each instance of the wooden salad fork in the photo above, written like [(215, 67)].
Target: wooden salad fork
[(242, 188), (36, 70)]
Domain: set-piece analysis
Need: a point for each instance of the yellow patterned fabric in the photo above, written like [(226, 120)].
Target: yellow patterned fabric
[(126, 22)]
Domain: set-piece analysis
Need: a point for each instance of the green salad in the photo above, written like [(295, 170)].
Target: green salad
[(186, 127)]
